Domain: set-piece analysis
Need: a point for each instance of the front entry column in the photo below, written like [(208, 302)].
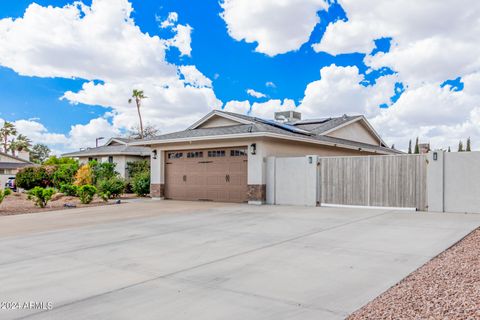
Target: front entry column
[(157, 179), (257, 190)]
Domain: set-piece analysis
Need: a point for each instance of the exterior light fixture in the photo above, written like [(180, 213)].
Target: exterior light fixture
[(310, 160), (253, 148), (435, 156), (154, 154)]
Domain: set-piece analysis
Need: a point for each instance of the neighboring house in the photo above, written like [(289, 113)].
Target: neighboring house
[(222, 157), (116, 150), (9, 165)]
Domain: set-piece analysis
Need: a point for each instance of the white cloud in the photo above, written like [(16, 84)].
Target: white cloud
[(194, 77), (256, 94), (437, 115), (169, 22), (339, 91), (264, 110), (277, 26), (432, 40), (101, 43), (270, 84)]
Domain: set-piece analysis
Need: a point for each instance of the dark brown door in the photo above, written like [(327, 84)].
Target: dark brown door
[(207, 174)]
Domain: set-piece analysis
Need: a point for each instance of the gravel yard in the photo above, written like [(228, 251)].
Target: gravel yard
[(447, 287), (17, 203)]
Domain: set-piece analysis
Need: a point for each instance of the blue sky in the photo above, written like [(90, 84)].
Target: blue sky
[(329, 72)]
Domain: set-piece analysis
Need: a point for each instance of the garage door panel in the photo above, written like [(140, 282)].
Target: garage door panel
[(219, 177)]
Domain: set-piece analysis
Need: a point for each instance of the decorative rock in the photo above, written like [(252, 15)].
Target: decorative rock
[(446, 287), (118, 201), (70, 205)]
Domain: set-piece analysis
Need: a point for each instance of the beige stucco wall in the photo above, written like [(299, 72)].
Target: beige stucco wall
[(119, 160), (265, 147), (355, 132), (4, 158), (218, 122)]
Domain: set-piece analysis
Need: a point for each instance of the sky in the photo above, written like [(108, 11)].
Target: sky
[(67, 68)]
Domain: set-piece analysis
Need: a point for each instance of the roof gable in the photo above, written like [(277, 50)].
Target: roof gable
[(358, 129), (5, 157), (216, 119)]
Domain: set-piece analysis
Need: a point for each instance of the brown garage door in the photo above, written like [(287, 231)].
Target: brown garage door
[(207, 174)]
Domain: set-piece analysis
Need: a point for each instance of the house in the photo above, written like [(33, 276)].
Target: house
[(222, 156), (9, 165), (116, 150)]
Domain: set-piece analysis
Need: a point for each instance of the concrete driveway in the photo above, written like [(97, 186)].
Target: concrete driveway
[(190, 260)]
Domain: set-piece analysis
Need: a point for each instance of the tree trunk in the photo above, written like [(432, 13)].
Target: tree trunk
[(140, 118)]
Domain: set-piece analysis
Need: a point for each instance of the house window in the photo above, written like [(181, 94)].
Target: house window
[(90, 159), (3, 171), (216, 153), (175, 155), (238, 152), (195, 154), (110, 159)]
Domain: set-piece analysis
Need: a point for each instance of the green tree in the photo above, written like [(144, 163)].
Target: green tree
[(20, 143), (149, 131), (136, 167), (417, 148), (410, 146), (449, 150), (460, 146), (6, 131), (54, 161), (39, 153), (102, 171), (138, 96), (393, 146), (469, 146)]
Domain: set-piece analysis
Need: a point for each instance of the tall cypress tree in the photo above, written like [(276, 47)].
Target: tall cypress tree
[(417, 148), (449, 149), (460, 146), (410, 146), (469, 147)]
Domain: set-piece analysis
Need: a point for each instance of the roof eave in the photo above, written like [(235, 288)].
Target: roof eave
[(263, 134)]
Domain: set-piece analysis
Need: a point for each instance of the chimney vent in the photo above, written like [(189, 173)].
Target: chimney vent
[(288, 116)]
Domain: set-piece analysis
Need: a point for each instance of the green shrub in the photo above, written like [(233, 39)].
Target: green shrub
[(31, 177), (83, 176), (4, 193), (86, 193), (136, 167), (102, 171), (141, 184), (41, 196), (111, 188), (69, 189), (54, 161), (64, 174)]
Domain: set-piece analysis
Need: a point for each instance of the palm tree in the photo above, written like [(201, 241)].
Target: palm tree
[(21, 143), (6, 131), (138, 96)]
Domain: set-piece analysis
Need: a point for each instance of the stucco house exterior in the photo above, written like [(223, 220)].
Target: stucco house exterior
[(116, 150), (222, 157), (9, 165)]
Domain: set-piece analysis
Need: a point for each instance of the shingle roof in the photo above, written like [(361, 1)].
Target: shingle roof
[(261, 126), (111, 150), (14, 165)]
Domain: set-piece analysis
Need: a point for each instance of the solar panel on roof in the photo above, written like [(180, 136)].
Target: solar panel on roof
[(283, 126)]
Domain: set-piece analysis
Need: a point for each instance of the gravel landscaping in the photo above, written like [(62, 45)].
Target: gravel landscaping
[(447, 287), (17, 203)]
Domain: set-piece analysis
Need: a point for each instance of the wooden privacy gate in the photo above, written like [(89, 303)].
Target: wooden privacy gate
[(386, 181)]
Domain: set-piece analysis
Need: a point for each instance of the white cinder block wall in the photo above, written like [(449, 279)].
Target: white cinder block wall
[(292, 181)]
